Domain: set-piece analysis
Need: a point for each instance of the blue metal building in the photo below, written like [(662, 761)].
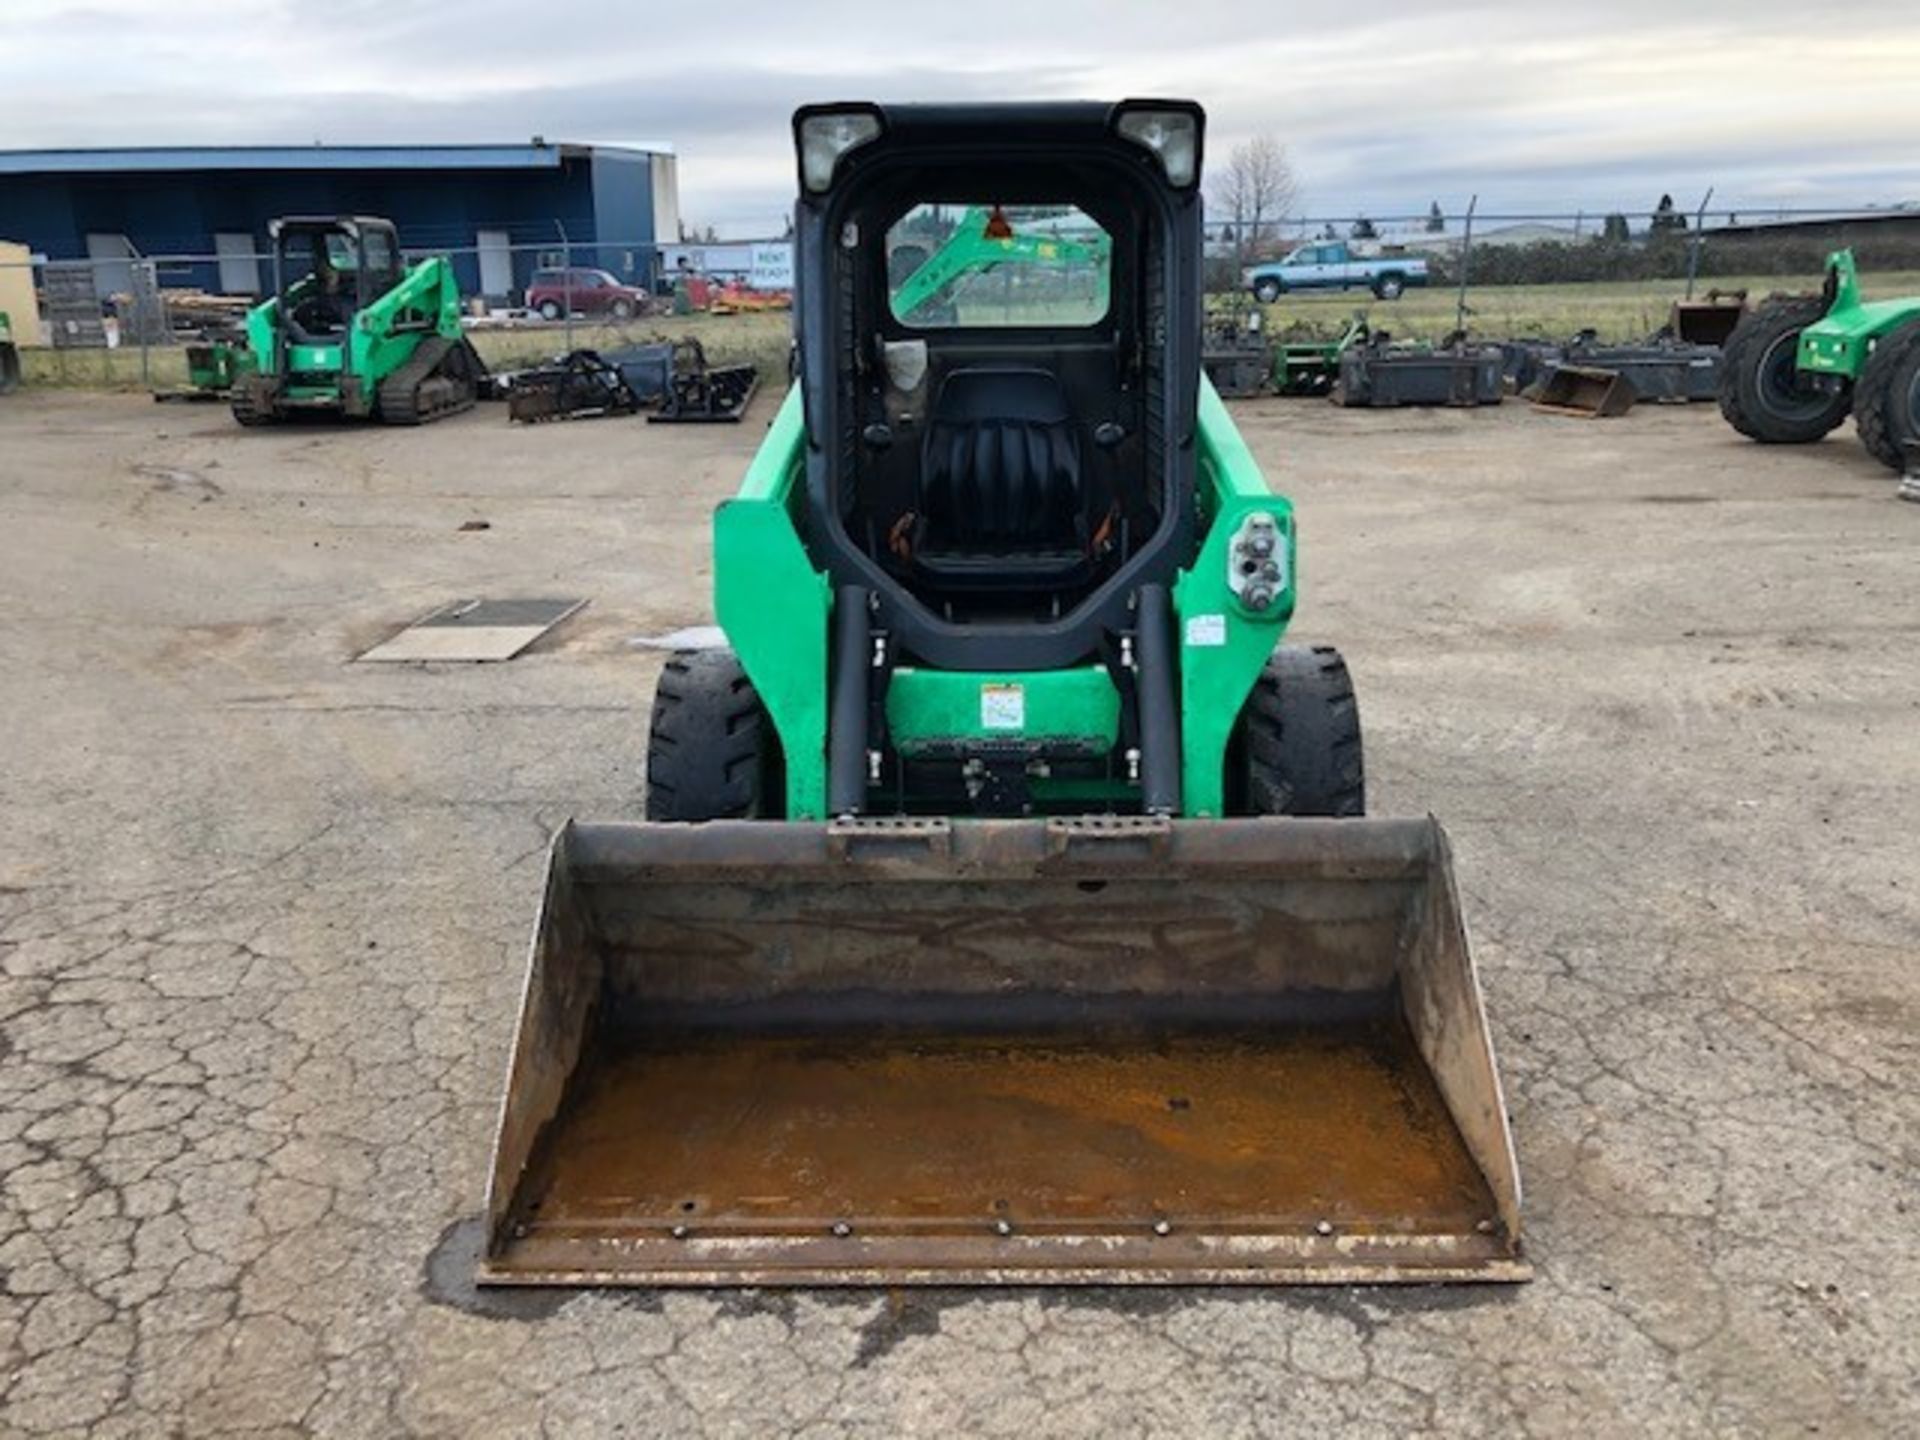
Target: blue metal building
[(499, 210)]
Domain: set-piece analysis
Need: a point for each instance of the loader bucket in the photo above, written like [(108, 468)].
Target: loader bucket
[(1583, 390), (910, 1051), (1709, 321)]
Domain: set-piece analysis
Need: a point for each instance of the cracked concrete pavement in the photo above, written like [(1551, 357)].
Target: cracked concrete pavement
[(263, 912)]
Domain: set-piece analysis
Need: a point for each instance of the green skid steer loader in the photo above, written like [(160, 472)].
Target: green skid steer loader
[(351, 330), (1004, 910), (1796, 366)]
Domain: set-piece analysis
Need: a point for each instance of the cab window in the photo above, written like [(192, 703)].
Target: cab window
[(952, 265)]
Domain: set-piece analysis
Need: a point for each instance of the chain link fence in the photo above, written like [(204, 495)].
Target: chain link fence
[(126, 321)]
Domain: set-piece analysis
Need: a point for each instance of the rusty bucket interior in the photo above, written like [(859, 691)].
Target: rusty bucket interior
[(1584, 390), (1710, 320), (1002, 1052)]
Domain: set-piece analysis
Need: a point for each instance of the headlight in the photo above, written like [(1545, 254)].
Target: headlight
[(825, 136), (1172, 135)]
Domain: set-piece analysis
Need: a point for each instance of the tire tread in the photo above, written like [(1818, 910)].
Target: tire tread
[(710, 748), (1301, 747), (1884, 431), (1740, 368)]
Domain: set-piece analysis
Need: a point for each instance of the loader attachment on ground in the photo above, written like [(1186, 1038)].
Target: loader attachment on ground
[(1584, 390), (914, 1051)]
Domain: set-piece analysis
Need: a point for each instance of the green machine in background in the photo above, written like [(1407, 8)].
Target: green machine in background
[(9, 356), (1310, 367), (1798, 365), (216, 362), (351, 330)]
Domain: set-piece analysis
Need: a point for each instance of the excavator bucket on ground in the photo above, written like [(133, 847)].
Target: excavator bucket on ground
[(1093, 1050), (1584, 390)]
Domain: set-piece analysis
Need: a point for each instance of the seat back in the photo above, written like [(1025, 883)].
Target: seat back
[(1000, 465)]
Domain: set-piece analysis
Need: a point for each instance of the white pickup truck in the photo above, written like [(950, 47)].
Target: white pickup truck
[(1330, 265)]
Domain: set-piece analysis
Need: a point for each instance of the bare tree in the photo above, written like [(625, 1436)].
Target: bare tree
[(1254, 188)]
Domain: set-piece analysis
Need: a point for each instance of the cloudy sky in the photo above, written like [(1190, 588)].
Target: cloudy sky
[(1384, 104)]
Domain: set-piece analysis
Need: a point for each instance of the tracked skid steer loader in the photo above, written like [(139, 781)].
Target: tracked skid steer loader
[(1004, 911), (352, 330)]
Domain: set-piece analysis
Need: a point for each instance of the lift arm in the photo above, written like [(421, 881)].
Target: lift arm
[(974, 246)]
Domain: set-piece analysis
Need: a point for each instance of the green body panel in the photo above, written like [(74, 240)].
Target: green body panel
[(969, 249), (1298, 361), (775, 607), (1223, 642), (925, 706), (213, 366), (315, 359), (6, 329), (381, 338), (1840, 341)]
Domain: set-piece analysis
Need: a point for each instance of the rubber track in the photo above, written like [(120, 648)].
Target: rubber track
[(401, 392), (244, 410)]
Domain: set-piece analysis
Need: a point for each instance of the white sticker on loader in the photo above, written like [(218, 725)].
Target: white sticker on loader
[(1003, 707), (1206, 631)]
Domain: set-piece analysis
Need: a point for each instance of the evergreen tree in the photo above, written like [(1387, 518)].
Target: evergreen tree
[(1666, 218)]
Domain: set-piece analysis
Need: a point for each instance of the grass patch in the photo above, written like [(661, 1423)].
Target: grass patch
[(1620, 311)]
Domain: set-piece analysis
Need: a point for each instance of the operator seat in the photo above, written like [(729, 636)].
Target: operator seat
[(321, 315), (1002, 493)]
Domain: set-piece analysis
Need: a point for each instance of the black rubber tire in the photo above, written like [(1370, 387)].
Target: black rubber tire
[(1886, 402), (1297, 749), (1759, 393), (1267, 290), (1389, 287), (621, 310), (550, 310), (711, 750), (9, 368)]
